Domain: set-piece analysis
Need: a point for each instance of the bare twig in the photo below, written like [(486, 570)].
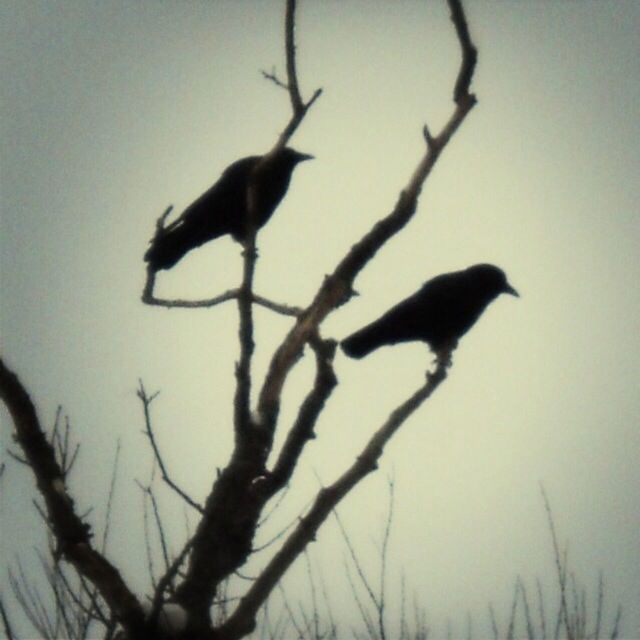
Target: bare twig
[(292, 76), (242, 400), (275, 537), (338, 287), (165, 582), (560, 565), (383, 560), (298, 106), (275, 506), (72, 535), (600, 601), (164, 547), (512, 615), (494, 622), (615, 630), (148, 297), (146, 404), (112, 489), (469, 54), (282, 309), (543, 621), (302, 430), (526, 609), (243, 618), (273, 77), (14, 456), (368, 587), (147, 537), (6, 624)]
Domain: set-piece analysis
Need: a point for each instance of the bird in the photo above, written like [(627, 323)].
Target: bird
[(224, 208), (439, 313)]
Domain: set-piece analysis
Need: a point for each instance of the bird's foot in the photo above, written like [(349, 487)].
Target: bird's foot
[(444, 354), (250, 251)]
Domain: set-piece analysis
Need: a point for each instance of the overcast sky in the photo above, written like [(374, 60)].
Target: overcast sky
[(113, 110)]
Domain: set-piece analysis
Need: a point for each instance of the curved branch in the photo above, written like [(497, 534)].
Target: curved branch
[(469, 52), (242, 620), (146, 403), (148, 297), (292, 76), (73, 536), (298, 106), (302, 430), (338, 287)]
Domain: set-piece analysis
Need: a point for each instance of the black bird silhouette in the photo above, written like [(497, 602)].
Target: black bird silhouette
[(440, 313), (224, 207)]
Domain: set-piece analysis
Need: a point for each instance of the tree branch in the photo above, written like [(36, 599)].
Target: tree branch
[(149, 297), (290, 26), (302, 430), (72, 535), (469, 53), (236, 492), (242, 621), (338, 287), (242, 409), (146, 404), (298, 106)]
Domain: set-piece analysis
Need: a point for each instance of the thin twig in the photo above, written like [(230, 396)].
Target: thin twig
[(165, 581), (273, 77), (112, 489), (512, 615), (73, 536), (6, 624), (527, 611), (543, 622), (146, 404), (206, 303), (469, 54), (298, 106), (338, 287), (242, 400), (303, 428), (292, 76), (326, 500), (560, 566)]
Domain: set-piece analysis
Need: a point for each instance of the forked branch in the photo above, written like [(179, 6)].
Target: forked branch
[(242, 620), (73, 536), (338, 287), (146, 401), (299, 111), (303, 428)]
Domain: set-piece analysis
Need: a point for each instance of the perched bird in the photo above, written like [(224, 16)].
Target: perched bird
[(440, 313), (224, 208)]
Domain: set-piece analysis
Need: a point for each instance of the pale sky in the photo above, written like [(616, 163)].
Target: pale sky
[(113, 110)]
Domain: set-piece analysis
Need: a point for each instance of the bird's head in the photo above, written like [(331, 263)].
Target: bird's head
[(293, 157), (493, 279)]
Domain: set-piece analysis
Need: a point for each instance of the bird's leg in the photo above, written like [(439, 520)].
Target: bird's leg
[(443, 354), (249, 250)]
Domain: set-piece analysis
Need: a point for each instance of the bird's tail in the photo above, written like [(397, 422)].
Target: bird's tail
[(362, 342), (170, 246)]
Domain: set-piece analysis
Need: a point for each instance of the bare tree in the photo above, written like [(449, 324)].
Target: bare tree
[(193, 580)]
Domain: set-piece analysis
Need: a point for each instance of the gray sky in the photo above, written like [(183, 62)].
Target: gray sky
[(113, 110)]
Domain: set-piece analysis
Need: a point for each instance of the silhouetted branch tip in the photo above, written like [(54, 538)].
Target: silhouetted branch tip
[(429, 139), (461, 93), (273, 77)]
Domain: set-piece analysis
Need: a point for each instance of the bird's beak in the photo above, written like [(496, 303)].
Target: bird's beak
[(511, 291), (305, 156)]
